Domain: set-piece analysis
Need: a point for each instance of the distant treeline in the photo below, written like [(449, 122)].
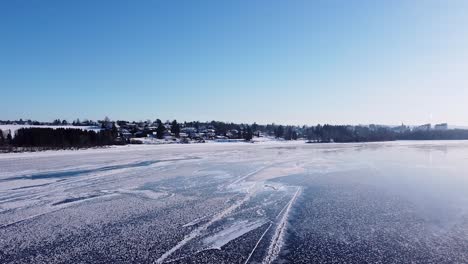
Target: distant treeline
[(56, 122), (59, 138), (453, 134), (110, 134), (328, 133)]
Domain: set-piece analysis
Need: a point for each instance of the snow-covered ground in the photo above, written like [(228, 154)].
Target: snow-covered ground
[(270, 202), (155, 141)]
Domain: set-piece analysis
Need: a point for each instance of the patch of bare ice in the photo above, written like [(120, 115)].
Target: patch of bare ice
[(218, 240)]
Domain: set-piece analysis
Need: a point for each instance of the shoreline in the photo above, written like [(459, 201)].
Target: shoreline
[(302, 142)]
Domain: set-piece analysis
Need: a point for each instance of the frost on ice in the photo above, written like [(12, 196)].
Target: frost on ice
[(237, 203)]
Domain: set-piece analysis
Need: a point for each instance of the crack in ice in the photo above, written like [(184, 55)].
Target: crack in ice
[(202, 228), (277, 239), (258, 243)]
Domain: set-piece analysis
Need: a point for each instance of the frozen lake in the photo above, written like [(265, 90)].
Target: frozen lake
[(397, 202)]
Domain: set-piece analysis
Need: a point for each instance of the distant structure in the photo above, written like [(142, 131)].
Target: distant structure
[(441, 127), (401, 129), (425, 127), (428, 127)]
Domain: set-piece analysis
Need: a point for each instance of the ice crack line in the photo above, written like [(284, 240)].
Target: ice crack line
[(258, 242), (202, 228), (248, 175), (26, 219), (277, 240)]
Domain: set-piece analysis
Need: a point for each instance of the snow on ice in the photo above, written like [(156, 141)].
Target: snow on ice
[(268, 202)]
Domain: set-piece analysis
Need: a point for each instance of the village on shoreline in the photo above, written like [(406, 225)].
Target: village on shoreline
[(20, 135)]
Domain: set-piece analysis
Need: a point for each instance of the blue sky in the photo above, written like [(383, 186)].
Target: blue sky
[(294, 62)]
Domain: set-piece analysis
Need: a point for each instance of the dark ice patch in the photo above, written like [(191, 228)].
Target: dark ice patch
[(75, 199), (73, 173)]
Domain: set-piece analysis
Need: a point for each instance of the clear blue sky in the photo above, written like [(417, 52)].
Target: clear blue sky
[(295, 62)]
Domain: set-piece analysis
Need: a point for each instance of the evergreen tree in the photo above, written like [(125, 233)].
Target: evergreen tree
[(288, 133), (9, 138), (319, 133), (175, 128), (77, 122), (254, 127), (279, 132), (248, 134), (2, 138), (294, 135), (114, 131), (310, 134), (106, 123), (160, 130)]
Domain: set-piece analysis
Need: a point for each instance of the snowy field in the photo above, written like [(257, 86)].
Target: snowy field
[(398, 202)]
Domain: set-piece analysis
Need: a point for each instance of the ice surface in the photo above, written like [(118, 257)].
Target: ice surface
[(268, 202), (216, 241)]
